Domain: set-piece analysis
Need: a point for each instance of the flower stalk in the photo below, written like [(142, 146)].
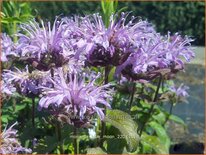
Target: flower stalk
[(106, 80), (75, 143), (59, 136), (33, 112), (170, 112), (152, 106), (132, 96), (57, 126)]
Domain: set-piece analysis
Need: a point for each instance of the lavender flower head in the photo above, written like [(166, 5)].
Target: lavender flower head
[(26, 83), (180, 92), (8, 48), (157, 55), (44, 45), (7, 90), (111, 46), (74, 99), (10, 143)]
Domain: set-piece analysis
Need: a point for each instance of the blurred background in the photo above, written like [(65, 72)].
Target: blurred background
[(187, 18), (184, 17)]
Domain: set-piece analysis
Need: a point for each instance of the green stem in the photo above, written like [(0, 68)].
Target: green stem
[(75, 143), (52, 72), (106, 80), (132, 96), (58, 128), (33, 112), (152, 106), (33, 119), (59, 137), (15, 31), (170, 112)]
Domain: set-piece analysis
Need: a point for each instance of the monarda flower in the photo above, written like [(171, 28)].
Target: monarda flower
[(156, 56), (10, 143), (43, 45), (180, 93), (8, 48), (74, 100), (175, 94), (111, 46), (26, 83), (7, 90)]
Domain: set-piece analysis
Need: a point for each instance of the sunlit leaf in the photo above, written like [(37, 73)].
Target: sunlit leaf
[(160, 117), (96, 150), (161, 133), (177, 119), (126, 126), (155, 143)]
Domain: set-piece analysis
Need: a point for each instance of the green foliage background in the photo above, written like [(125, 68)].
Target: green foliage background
[(184, 17)]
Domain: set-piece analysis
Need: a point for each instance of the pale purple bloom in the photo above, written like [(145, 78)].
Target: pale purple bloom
[(8, 48), (110, 46), (44, 45), (10, 143), (75, 98), (7, 89), (157, 55), (180, 92), (26, 83)]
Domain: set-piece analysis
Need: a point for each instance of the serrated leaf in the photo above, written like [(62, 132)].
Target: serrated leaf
[(96, 150), (161, 133), (126, 126), (155, 143)]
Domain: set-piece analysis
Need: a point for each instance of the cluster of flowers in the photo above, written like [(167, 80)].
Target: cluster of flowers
[(57, 57), (10, 143)]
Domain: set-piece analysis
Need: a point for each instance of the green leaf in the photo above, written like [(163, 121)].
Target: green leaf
[(96, 150), (111, 73), (161, 133), (48, 144), (11, 19), (108, 7), (103, 6), (135, 108), (4, 118), (145, 148), (177, 119), (155, 143), (160, 117), (19, 107), (126, 126)]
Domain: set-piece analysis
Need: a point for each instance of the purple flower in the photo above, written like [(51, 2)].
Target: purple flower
[(7, 89), (26, 83), (10, 143), (110, 46), (75, 98), (44, 45), (8, 48), (157, 55), (180, 92)]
